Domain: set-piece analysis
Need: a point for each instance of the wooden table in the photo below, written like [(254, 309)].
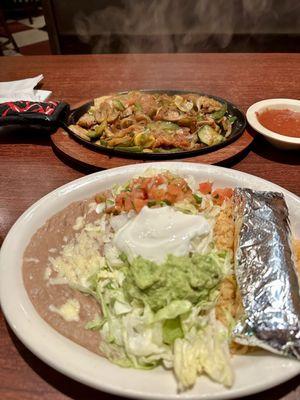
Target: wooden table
[(30, 169)]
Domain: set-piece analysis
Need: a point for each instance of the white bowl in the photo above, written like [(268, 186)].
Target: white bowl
[(280, 141)]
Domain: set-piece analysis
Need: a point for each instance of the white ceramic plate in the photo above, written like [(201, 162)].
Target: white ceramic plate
[(281, 141), (253, 373)]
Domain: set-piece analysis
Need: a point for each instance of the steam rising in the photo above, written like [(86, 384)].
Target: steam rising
[(179, 25)]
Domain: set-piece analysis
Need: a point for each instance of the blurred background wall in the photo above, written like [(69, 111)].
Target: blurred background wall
[(104, 26), (143, 26)]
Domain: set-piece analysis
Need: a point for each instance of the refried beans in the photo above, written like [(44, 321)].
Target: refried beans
[(47, 241)]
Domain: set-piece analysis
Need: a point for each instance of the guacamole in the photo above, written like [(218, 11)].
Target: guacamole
[(178, 278)]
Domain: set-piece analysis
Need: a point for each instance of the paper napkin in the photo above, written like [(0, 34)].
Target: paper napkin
[(23, 90)]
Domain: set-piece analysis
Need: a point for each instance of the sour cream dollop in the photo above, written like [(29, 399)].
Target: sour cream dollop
[(156, 232)]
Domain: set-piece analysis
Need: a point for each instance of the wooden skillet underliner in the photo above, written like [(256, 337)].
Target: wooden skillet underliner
[(71, 150)]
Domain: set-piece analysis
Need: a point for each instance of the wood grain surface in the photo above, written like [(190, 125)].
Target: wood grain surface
[(30, 169)]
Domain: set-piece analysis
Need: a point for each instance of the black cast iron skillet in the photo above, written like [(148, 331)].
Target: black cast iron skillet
[(52, 115)]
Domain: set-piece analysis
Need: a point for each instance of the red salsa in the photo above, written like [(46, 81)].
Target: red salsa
[(285, 122)]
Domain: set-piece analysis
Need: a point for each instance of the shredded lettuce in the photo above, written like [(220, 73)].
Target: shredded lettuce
[(172, 330), (160, 315), (203, 351), (186, 207)]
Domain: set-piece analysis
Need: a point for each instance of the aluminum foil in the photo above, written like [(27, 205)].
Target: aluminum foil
[(265, 272)]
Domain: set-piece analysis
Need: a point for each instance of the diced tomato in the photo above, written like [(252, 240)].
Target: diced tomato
[(162, 187), (119, 202), (219, 195), (128, 204), (138, 194), (228, 192), (151, 183), (173, 189), (139, 204), (144, 184), (160, 179), (101, 197), (120, 199), (218, 199), (205, 187), (156, 194), (169, 198), (180, 183)]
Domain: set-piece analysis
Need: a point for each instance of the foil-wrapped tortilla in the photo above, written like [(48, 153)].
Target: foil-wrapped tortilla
[(265, 273)]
